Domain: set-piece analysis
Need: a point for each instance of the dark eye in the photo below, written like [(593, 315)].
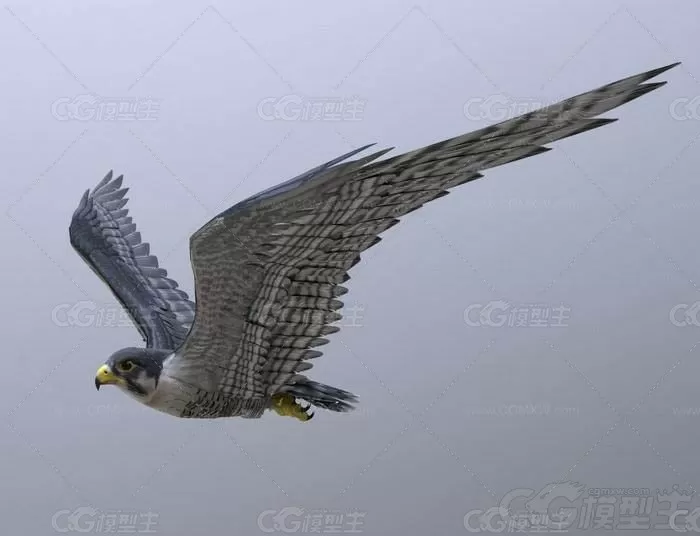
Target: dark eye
[(126, 366)]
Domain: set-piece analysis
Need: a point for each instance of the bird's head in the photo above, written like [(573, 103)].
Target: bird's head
[(134, 370)]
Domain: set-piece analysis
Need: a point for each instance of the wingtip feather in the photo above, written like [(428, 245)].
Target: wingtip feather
[(655, 72), (105, 180)]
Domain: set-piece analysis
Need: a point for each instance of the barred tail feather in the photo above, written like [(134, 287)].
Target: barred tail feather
[(323, 396)]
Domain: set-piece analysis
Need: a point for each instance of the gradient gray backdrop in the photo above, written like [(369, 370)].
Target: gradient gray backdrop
[(452, 415)]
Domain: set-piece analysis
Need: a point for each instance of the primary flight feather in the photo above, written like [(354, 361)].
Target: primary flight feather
[(269, 271)]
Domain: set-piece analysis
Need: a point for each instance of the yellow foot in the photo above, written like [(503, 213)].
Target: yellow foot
[(285, 404)]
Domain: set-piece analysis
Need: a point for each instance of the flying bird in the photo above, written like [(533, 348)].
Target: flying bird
[(269, 272)]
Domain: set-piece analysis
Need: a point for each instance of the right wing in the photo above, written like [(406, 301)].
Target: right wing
[(269, 271), (107, 240)]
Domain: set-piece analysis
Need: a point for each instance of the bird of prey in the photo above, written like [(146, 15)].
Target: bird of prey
[(269, 272)]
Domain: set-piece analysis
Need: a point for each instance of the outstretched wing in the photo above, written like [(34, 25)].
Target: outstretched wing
[(269, 271), (107, 240)]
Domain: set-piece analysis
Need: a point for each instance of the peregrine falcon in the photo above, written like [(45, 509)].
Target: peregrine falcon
[(269, 272)]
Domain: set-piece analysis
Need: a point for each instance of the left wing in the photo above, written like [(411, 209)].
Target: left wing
[(269, 271), (104, 236)]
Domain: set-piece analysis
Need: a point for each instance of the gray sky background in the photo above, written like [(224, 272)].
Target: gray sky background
[(604, 226)]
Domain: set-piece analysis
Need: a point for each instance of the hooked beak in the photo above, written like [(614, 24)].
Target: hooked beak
[(105, 376)]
